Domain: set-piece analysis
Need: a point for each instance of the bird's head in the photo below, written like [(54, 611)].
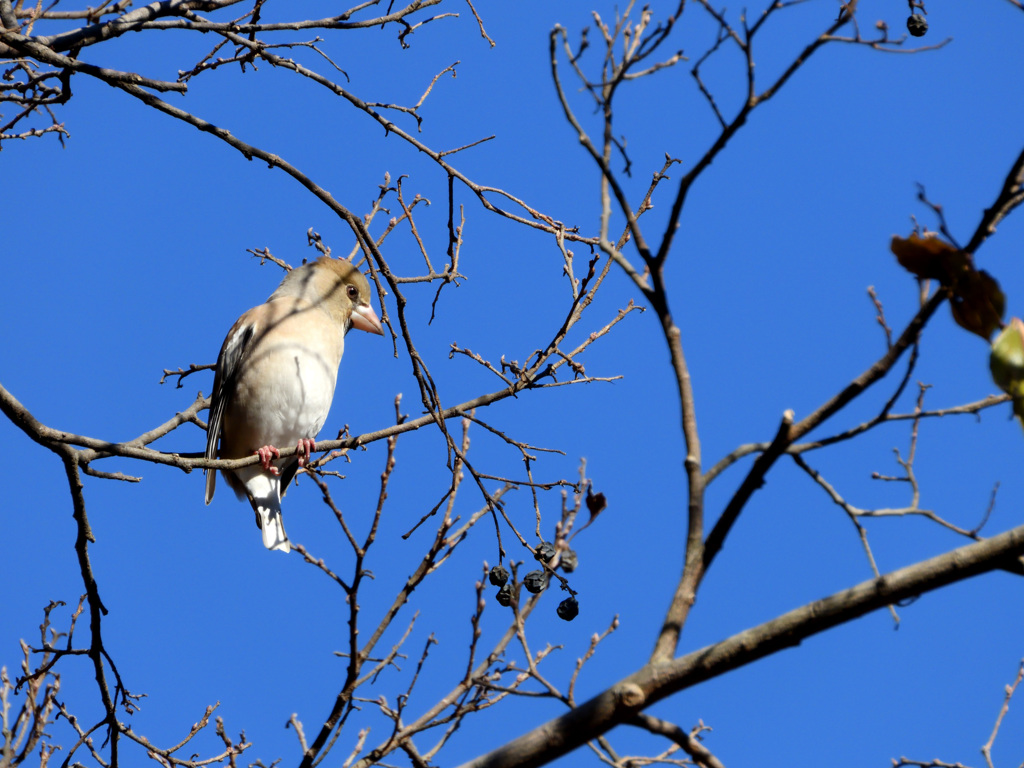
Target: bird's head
[(356, 301), (339, 288)]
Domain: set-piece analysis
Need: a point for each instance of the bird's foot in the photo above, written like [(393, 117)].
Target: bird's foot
[(267, 454), (305, 449)]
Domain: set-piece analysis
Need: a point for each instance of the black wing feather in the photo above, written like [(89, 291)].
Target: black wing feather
[(234, 350)]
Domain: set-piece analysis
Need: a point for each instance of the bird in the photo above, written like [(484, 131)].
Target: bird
[(274, 382)]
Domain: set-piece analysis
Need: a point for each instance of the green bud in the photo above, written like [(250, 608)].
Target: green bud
[(1007, 358), (1007, 363)]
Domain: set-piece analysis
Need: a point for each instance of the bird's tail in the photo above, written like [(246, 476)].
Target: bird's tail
[(268, 517), (264, 492)]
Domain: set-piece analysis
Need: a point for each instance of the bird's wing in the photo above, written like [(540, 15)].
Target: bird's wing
[(235, 348)]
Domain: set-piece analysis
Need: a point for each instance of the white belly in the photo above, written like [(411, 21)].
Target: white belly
[(282, 395)]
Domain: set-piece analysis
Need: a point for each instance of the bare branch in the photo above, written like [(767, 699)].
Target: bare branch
[(620, 702), (986, 749)]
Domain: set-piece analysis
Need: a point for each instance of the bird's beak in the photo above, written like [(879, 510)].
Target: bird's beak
[(365, 319)]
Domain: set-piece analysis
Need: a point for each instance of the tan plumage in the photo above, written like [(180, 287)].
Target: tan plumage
[(275, 381)]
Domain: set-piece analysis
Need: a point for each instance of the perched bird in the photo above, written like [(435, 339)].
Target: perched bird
[(275, 381)]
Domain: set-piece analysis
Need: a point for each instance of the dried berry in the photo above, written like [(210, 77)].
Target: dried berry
[(498, 576), (545, 551), (568, 609), (535, 581), (917, 25), (569, 560), (504, 596)]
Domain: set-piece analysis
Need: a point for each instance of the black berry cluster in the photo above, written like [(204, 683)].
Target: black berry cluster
[(537, 581)]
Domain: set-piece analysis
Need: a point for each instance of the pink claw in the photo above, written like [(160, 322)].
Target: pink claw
[(267, 453), (305, 449)]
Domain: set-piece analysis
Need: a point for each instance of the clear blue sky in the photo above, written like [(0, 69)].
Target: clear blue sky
[(124, 253)]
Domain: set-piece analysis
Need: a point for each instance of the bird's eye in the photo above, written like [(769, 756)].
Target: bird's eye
[(352, 292)]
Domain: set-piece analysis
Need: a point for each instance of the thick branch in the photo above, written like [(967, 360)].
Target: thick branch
[(653, 682)]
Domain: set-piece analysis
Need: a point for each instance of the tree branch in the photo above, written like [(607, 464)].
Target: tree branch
[(621, 702)]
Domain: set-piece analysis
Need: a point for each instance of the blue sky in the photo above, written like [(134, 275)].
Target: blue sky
[(124, 253)]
